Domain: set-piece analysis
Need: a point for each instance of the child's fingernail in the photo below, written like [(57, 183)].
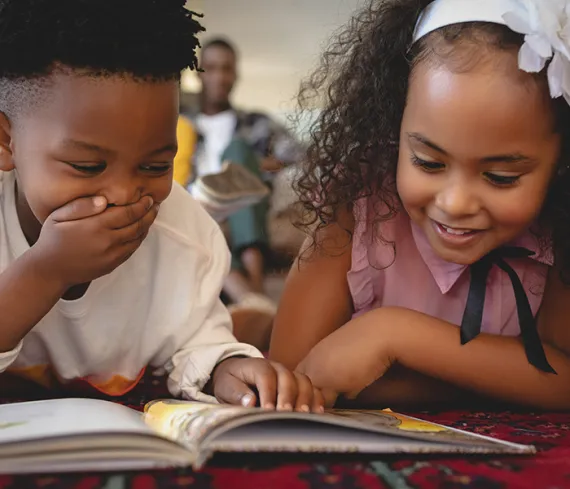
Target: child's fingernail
[(246, 400), (149, 203), (321, 409), (269, 405), (288, 407), (305, 408), (99, 201)]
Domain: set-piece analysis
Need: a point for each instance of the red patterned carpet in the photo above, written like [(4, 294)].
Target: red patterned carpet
[(549, 469)]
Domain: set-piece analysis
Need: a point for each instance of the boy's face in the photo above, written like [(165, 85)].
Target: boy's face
[(477, 153), (114, 137)]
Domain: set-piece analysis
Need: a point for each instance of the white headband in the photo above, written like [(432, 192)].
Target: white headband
[(545, 24), (441, 13)]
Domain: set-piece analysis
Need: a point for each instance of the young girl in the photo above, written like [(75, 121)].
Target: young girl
[(436, 188)]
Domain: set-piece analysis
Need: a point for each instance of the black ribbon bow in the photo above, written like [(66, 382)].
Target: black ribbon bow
[(473, 315)]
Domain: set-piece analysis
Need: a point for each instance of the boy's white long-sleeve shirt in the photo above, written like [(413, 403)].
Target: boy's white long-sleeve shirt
[(161, 308)]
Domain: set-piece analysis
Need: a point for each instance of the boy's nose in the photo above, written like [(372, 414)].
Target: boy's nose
[(122, 193)]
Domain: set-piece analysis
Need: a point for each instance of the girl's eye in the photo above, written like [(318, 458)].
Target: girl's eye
[(157, 168), (502, 180), (428, 166), (89, 168)]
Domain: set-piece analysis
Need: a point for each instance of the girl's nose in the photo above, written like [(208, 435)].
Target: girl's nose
[(457, 200)]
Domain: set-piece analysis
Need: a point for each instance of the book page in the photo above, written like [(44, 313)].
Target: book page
[(188, 422), (302, 436), (64, 417), (387, 421), (191, 424)]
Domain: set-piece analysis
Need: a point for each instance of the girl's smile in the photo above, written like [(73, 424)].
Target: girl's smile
[(456, 237)]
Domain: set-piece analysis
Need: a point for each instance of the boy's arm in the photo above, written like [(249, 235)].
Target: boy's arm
[(191, 368), (209, 339), (26, 296), (79, 242)]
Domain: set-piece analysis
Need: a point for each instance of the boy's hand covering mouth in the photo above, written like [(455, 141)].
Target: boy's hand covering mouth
[(87, 238)]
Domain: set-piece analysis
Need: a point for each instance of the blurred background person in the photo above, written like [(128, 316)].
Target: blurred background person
[(277, 48), (214, 133)]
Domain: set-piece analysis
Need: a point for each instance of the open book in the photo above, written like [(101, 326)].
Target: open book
[(229, 191), (90, 435)]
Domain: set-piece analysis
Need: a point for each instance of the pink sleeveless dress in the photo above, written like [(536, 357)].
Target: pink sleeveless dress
[(409, 274)]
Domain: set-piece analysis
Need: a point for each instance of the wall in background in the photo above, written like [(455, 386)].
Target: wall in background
[(279, 42)]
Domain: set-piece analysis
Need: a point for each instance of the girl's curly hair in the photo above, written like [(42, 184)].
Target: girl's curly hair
[(362, 82)]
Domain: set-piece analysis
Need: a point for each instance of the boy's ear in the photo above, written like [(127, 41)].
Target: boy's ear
[(6, 159)]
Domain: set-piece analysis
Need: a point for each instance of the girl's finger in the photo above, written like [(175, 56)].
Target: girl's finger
[(330, 397), (287, 388), (318, 401), (305, 393)]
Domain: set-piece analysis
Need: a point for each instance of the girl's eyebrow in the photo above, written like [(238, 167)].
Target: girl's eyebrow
[(420, 138), (509, 158), (503, 158)]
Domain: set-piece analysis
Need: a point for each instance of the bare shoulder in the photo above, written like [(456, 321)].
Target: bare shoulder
[(316, 300)]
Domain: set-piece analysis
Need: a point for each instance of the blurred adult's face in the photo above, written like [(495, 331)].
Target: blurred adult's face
[(219, 75)]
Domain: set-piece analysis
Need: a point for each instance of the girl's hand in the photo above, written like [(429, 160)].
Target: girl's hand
[(278, 387), (351, 358)]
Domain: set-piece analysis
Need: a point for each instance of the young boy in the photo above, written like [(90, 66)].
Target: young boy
[(105, 267)]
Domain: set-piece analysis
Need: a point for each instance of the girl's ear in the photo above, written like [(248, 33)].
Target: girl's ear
[(6, 157)]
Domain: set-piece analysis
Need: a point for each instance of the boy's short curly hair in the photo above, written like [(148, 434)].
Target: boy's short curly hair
[(145, 39), (362, 83)]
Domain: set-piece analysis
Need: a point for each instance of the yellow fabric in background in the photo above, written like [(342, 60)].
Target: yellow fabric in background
[(186, 136)]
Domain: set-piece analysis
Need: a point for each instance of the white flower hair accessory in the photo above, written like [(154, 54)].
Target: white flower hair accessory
[(546, 25)]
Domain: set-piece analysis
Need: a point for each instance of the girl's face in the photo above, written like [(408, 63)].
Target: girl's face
[(477, 153)]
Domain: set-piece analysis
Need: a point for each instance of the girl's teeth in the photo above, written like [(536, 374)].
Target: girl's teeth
[(455, 232)]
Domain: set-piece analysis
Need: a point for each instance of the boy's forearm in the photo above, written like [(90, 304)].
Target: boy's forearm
[(26, 296), (491, 365)]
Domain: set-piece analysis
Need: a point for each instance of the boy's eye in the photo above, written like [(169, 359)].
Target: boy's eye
[(157, 168), (90, 168), (428, 166), (502, 180)]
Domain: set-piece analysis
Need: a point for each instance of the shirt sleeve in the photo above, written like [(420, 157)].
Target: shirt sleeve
[(9, 357), (212, 340)]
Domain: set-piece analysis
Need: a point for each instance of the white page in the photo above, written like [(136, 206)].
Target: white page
[(64, 417)]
